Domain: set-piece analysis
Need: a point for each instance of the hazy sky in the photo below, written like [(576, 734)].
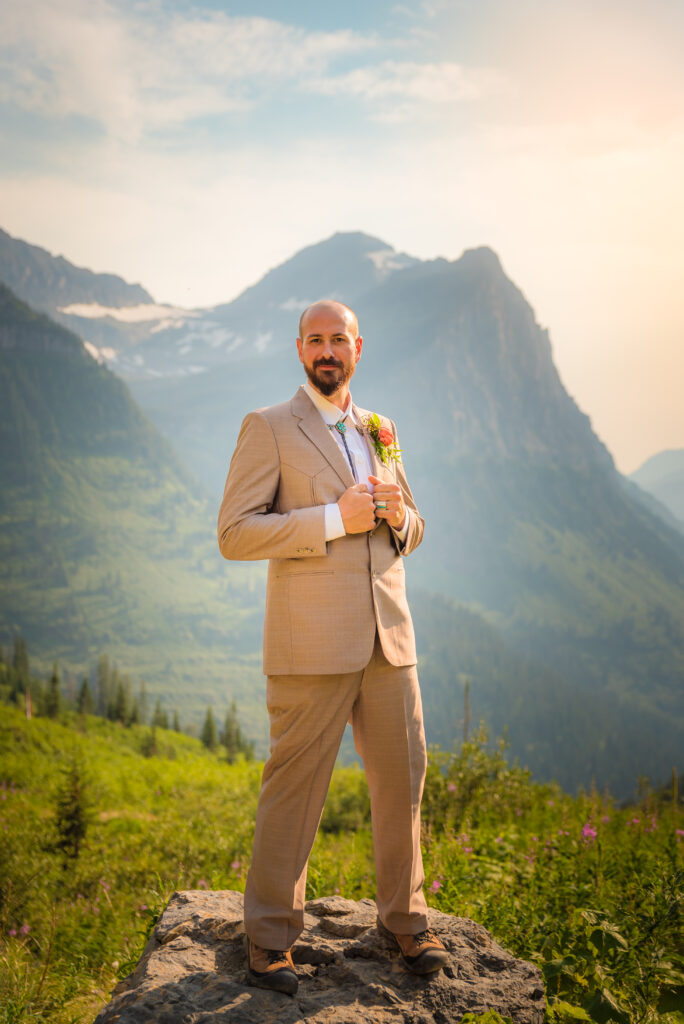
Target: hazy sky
[(191, 147)]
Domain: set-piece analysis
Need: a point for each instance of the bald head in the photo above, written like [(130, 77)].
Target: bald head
[(329, 306)]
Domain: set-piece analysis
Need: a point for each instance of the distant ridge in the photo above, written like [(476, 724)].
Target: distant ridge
[(663, 477), (47, 282)]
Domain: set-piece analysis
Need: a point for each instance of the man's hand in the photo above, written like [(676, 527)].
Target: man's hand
[(357, 509), (388, 495)]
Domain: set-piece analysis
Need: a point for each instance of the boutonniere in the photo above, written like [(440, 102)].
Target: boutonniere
[(383, 439)]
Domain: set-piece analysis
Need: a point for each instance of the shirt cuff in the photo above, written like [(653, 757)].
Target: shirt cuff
[(334, 527), (401, 534)]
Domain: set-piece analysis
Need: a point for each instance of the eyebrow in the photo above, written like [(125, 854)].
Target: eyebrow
[(317, 334)]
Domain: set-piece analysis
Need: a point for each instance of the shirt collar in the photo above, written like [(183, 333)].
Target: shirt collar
[(330, 413)]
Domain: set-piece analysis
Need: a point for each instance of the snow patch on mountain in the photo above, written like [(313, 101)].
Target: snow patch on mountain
[(387, 260), (129, 314)]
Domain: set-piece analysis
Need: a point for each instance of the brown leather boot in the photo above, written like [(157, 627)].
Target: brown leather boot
[(423, 953), (271, 968)]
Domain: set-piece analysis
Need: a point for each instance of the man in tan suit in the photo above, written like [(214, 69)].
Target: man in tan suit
[(325, 499)]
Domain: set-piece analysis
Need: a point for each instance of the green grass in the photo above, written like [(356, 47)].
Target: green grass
[(589, 891)]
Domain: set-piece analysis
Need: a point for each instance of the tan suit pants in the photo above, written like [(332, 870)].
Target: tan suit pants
[(308, 715)]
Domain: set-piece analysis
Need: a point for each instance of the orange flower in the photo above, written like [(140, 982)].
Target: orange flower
[(385, 437)]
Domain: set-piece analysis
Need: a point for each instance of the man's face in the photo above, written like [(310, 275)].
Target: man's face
[(329, 348)]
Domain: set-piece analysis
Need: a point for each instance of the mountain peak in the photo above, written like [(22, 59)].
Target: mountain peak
[(481, 259)]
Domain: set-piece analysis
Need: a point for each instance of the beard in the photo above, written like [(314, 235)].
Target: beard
[(327, 382)]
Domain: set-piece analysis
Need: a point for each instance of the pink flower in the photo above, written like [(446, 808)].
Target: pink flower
[(589, 833), (12, 932), (605, 819), (25, 929), (202, 884), (435, 886), (550, 803), (235, 865), (499, 839), (452, 787)]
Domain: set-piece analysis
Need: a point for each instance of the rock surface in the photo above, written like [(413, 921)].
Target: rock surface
[(192, 971)]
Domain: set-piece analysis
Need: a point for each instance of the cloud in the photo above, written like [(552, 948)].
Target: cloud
[(138, 71), (400, 89)]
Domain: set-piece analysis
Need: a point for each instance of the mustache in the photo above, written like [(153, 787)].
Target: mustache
[(328, 362)]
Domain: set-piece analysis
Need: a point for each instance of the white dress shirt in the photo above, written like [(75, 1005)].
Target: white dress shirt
[(358, 450)]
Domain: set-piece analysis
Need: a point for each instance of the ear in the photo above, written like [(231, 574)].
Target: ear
[(299, 349), (359, 346)]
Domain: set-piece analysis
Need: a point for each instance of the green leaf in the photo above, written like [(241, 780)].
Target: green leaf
[(563, 1012), (604, 1008), (671, 1000)]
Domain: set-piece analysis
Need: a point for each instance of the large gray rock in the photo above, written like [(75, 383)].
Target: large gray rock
[(192, 971)]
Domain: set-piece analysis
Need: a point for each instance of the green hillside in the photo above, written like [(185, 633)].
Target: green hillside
[(577, 736), (589, 891), (105, 544)]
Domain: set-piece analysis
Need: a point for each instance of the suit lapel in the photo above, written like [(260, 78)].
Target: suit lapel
[(313, 425)]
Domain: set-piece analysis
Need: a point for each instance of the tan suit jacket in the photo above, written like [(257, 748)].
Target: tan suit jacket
[(323, 600)]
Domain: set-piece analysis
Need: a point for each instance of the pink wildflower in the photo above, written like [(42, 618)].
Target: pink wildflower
[(436, 885), (452, 787), (235, 865), (25, 929), (589, 833), (499, 839), (605, 819), (202, 884), (13, 932)]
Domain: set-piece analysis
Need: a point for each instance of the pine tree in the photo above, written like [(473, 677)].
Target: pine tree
[(121, 706), (233, 738), (53, 699), (103, 684), (72, 810), (176, 721), (209, 735), (20, 659), (85, 704), (134, 716), (143, 702), (148, 747), (160, 718)]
